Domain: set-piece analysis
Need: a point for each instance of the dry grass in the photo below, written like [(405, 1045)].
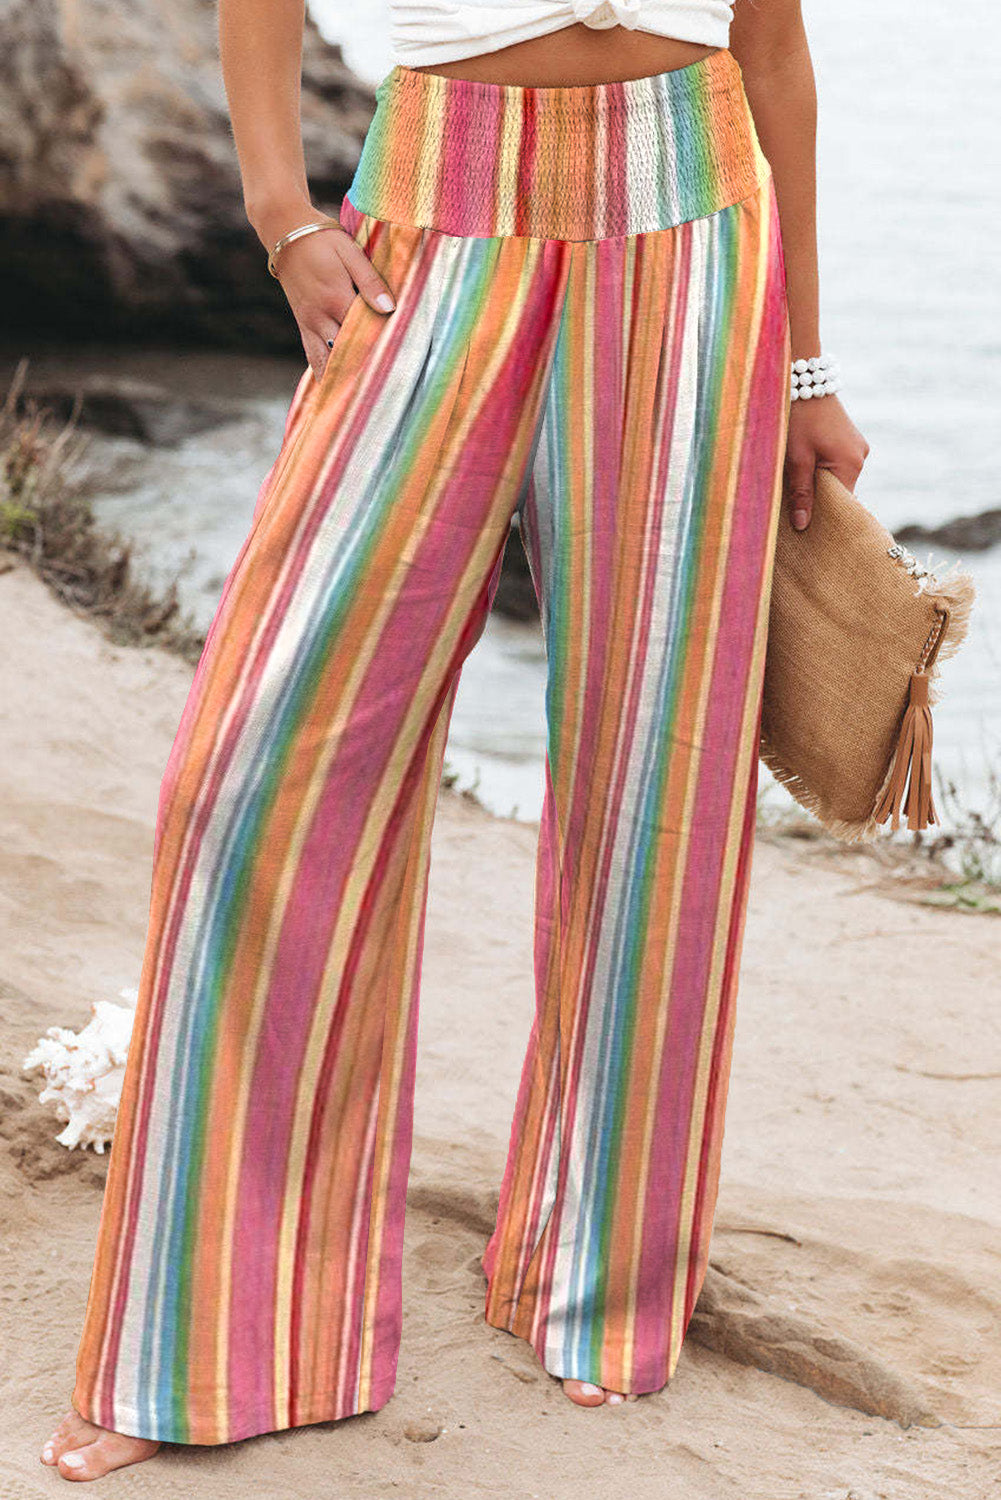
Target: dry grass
[(47, 521), (972, 844), (959, 868)]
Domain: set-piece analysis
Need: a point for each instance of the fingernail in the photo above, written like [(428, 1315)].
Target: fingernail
[(385, 302), (799, 519), (614, 1398), (73, 1460)]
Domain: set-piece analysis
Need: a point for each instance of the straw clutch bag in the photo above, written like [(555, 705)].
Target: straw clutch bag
[(856, 627)]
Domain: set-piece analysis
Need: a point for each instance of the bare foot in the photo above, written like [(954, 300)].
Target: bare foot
[(582, 1393), (83, 1451)]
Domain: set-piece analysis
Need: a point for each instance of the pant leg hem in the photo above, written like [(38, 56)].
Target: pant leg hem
[(639, 1385), (253, 1423)]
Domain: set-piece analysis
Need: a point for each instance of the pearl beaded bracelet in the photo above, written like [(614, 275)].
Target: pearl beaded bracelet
[(819, 376)]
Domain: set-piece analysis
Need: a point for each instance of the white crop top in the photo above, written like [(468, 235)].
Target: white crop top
[(424, 32)]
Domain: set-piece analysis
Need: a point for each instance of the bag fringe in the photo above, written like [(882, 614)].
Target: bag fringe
[(849, 831)]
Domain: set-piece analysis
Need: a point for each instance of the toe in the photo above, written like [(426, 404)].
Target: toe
[(111, 1450), (73, 1431), (74, 1465), (82, 1450), (582, 1393)]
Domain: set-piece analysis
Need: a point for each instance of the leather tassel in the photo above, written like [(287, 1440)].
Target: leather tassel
[(913, 754)]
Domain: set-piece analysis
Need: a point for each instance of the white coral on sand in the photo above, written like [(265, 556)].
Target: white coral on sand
[(84, 1071)]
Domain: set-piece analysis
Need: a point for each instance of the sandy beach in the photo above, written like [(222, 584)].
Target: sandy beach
[(859, 1194)]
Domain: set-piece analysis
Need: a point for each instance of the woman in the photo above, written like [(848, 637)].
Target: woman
[(573, 210)]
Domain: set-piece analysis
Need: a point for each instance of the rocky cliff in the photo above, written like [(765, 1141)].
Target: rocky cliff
[(121, 210)]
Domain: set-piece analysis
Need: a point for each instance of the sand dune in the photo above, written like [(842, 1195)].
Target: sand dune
[(860, 1204)]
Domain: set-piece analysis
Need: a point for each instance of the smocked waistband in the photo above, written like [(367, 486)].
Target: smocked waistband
[(574, 161)]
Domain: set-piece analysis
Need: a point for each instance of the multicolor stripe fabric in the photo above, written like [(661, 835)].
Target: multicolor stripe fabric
[(625, 396)]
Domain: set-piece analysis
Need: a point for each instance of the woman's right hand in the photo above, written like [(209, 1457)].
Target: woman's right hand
[(319, 273)]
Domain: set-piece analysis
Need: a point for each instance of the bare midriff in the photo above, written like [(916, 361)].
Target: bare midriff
[(576, 54)]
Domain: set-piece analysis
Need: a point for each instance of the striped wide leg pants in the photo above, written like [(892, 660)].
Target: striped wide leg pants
[(591, 332)]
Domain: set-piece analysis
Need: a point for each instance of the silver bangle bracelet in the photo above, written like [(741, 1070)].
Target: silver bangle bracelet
[(295, 234)]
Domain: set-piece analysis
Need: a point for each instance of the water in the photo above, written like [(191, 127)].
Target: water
[(908, 200)]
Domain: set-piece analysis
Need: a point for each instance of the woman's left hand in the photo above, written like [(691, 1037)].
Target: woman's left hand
[(821, 436)]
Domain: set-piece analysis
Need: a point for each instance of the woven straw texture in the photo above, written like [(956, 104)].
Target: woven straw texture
[(847, 626)]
